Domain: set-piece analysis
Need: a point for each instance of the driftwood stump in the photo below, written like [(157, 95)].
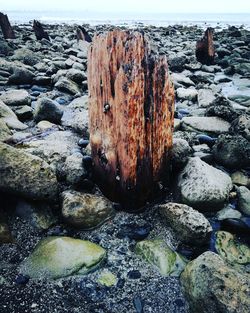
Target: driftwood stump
[(39, 31), (131, 107), (7, 30), (205, 48), (82, 34)]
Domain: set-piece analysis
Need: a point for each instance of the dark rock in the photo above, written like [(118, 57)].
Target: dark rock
[(48, 110), (206, 139), (221, 107), (134, 274), (235, 226), (241, 126), (83, 143), (22, 279), (232, 151)]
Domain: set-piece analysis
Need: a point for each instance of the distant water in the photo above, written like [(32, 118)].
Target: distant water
[(81, 17)]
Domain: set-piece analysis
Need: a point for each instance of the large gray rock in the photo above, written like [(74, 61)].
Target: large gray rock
[(9, 118), (244, 199), (189, 225), (16, 97), (56, 257), (47, 109), (202, 186), (232, 151), (212, 286), (85, 210), (67, 85), (54, 148), (26, 175), (210, 125)]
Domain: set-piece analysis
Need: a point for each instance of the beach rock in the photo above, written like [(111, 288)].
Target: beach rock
[(56, 257), (180, 152), (235, 226), (107, 279), (157, 253), (24, 113), (241, 178), (179, 78), (76, 76), (187, 94), (209, 125), (177, 63), (241, 99), (210, 286), (26, 56), (189, 225), (242, 68), (232, 151), (74, 170), (47, 109), (9, 118), (205, 97), (37, 214), (222, 108), (5, 132), (244, 199), (85, 211), (228, 212), (231, 250), (67, 85), (53, 148), (16, 97), (202, 186), (241, 126), (26, 175), (20, 75)]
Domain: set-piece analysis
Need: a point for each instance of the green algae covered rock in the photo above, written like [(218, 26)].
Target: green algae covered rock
[(156, 252), (211, 286), (107, 279), (56, 257), (231, 250)]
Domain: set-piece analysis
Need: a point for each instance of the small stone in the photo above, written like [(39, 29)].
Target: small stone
[(22, 279), (107, 279), (73, 168), (187, 94), (241, 178), (83, 143), (138, 304), (134, 274), (206, 139), (228, 212), (180, 153)]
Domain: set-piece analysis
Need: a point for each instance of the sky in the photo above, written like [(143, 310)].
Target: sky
[(135, 6)]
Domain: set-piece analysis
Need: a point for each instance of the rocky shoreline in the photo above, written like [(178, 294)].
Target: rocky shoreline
[(129, 262)]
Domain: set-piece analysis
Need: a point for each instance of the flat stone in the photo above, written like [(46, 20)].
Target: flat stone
[(187, 94), (56, 257), (210, 125), (15, 97), (205, 97)]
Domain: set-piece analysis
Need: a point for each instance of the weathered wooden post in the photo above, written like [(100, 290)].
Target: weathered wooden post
[(39, 31), (131, 107), (7, 30), (82, 34), (205, 48)]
